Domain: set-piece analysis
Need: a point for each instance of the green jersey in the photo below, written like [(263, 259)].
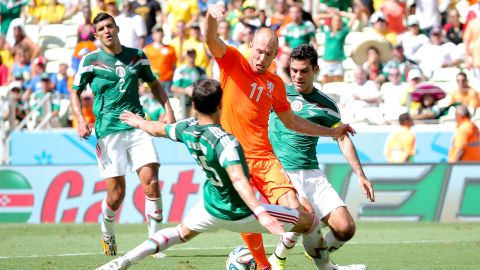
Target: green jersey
[(114, 81), (294, 150), (296, 35), (214, 150), (185, 76)]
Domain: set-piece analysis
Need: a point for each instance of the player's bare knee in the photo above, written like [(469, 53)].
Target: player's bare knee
[(115, 198), (152, 188), (345, 231), (305, 222), (186, 233)]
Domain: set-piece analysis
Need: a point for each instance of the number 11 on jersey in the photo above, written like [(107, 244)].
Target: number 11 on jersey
[(259, 91)]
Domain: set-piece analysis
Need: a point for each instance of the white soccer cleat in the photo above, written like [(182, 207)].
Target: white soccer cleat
[(350, 267), (158, 255), (119, 263)]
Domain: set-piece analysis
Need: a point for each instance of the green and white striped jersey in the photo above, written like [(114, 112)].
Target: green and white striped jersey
[(114, 81), (294, 150), (214, 150)]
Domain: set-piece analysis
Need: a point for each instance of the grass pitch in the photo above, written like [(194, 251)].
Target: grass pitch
[(386, 245)]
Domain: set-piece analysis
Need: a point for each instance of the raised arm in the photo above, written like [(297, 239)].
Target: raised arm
[(153, 128), (159, 93), (348, 149), (301, 125), (216, 46), (242, 186)]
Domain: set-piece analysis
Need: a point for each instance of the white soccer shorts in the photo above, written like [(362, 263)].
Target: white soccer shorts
[(313, 185), (199, 220), (116, 151)]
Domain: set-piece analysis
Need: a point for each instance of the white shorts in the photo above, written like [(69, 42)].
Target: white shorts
[(331, 69), (133, 147), (314, 186), (199, 220)]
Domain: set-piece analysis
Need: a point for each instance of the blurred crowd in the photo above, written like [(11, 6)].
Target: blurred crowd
[(379, 58)]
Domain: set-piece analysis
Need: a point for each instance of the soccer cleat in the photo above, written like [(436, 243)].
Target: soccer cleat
[(158, 255), (350, 267), (276, 263), (109, 245), (119, 263)]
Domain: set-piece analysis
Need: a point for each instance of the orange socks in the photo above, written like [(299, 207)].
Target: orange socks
[(254, 243)]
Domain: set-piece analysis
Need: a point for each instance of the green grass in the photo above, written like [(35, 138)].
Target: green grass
[(386, 245)]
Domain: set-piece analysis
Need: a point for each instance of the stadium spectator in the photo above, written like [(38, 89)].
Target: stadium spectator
[(100, 6), (280, 12), (454, 27), (471, 38), (394, 95), (185, 76), (4, 73), (465, 94), (10, 10), (245, 38), (428, 109), (133, 32), (435, 54), (394, 11), (466, 140), (379, 26), (35, 84), (249, 87), (21, 39), (297, 153), (81, 49), (21, 64), (163, 59), (298, 31), (332, 67), (364, 92), (335, 5), (85, 30), (399, 61), (45, 87), (152, 109), (412, 39), (373, 65), (283, 66), (195, 41), (19, 105), (6, 53), (428, 14), (149, 10), (114, 92), (61, 81), (228, 199), (400, 145), (248, 18), (224, 30), (49, 13), (187, 11), (178, 41)]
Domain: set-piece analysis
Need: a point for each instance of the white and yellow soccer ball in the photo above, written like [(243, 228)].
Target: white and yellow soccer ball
[(241, 259)]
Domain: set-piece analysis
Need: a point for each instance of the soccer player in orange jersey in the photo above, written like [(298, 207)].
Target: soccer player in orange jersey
[(250, 93)]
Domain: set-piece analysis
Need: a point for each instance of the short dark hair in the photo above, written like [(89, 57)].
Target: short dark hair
[(304, 52), (403, 118), (463, 74), (207, 96), (102, 16)]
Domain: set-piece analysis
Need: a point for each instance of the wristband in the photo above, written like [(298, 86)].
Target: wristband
[(258, 210)]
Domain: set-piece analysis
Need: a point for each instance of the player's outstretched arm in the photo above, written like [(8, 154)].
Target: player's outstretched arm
[(83, 129), (160, 94), (350, 152), (216, 46), (242, 186), (153, 128), (304, 126)]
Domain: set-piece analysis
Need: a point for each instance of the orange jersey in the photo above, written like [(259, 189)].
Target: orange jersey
[(248, 98), (467, 137), (162, 60)]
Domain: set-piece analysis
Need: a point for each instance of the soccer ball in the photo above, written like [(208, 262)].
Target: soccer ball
[(241, 259)]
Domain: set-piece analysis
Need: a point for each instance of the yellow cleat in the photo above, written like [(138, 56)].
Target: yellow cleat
[(276, 263), (109, 245)]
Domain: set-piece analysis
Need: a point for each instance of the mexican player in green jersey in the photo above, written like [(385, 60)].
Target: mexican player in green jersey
[(113, 72), (228, 200), (297, 153)]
